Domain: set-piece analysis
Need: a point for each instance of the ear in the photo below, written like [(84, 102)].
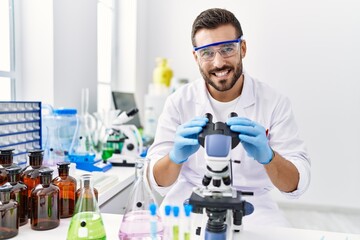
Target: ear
[(195, 56), (243, 48)]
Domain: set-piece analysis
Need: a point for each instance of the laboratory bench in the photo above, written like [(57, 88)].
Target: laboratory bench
[(112, 225), (114, 187)]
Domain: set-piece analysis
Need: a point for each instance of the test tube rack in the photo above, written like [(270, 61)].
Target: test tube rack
[(20, 128)]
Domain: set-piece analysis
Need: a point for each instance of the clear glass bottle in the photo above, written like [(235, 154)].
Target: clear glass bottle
[(45, 198), (67, 186), (137, 218), (6, 160), (18, 193), (9, 223), (86, 222)]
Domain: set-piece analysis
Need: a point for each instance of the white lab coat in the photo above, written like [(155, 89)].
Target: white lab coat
[(257, 102)]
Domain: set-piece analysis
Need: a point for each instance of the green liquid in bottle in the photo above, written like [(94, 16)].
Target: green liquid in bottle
[(86, 225)]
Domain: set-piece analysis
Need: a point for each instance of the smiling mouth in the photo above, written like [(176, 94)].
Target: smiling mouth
[(220, 74)]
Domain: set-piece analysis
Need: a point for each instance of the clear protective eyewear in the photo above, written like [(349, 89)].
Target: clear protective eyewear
[(225, 49)]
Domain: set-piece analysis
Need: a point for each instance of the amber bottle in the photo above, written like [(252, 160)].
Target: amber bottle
[(67, 186), (85, 181), (45, 198), (30, 175), (6, 160), (18, 193), (9, 224)]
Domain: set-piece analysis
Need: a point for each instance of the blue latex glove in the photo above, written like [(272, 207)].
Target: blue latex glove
[(186, 140), (253, 138)]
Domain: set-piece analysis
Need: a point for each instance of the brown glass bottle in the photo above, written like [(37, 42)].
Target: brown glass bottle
[(45, 198), (85, 182), (9, 224), (18, 193), (67, 186), (6, 160), (30, 175)]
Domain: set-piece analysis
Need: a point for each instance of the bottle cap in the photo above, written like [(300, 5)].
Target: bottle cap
[(65, 111), (152, 208), (167, 210), (5, 188), (63, 165), (176, 211), (6, 151), (13, 170), (45, 171), (35, 152), (188, 209)]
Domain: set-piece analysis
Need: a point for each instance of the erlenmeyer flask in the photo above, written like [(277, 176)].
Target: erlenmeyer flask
[(137, 218), (82, 146), (86, 222)]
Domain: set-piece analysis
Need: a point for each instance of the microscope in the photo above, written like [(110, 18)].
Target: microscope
[(221, 203)]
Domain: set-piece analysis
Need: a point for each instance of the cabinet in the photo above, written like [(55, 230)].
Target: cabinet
[(20, 128)]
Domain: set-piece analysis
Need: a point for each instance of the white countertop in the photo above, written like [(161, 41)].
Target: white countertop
[(112, 225), (111, 182)]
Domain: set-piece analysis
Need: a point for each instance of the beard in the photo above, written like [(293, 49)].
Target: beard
[(225, 84)]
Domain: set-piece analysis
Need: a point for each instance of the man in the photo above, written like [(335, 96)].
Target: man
[(270, 152)]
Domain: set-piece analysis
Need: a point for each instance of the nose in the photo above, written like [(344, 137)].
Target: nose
[(218, 60)]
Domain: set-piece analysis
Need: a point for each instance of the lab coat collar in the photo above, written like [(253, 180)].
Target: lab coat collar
[(247, 97)]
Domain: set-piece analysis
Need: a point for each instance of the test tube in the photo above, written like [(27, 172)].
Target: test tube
[(153, 221), (167, 223), (175, 227), (187, 221)]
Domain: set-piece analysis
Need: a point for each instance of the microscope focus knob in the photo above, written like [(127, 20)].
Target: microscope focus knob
[(130, 147)]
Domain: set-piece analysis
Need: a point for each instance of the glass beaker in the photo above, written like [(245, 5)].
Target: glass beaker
[(86, 222), (137, 218)]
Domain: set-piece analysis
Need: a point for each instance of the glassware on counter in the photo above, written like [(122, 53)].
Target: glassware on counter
[(67, 186), (9, 224), (86, 222), (45, 198), (137, 218), (18, 193), (6, 160)]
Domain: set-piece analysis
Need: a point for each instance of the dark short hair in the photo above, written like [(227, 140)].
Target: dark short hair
[(213, 18)]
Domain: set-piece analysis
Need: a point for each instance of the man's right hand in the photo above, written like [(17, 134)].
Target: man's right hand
[(186, 140)]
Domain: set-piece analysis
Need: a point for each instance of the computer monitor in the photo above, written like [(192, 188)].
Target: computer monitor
[(125, 102)]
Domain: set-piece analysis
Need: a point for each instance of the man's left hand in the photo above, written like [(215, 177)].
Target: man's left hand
[(253, 137)]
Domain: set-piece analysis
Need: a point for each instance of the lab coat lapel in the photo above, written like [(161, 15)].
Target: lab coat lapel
[(247, 97), (202, 101)]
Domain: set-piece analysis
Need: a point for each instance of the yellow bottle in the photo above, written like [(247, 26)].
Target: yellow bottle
[(162, 73)]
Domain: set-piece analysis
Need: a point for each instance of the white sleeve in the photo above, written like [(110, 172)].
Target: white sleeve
[(285, 140), (163, 142)]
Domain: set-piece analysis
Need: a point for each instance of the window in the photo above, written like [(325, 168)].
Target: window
[(105, 35), (7, 60)]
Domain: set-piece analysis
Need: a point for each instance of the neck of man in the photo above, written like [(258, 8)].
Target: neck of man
[(230, 94)]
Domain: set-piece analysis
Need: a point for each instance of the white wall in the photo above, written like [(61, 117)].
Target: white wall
[(308, 50), (58, 52)]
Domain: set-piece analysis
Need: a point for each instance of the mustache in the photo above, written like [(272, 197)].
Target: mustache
[(220, 69)]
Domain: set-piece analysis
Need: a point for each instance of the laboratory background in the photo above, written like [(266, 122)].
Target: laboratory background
[(60, 51)]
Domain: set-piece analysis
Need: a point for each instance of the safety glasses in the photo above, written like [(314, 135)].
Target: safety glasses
[(225, 49)]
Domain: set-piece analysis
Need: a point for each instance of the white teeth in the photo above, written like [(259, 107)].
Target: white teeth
[(221, 74)]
